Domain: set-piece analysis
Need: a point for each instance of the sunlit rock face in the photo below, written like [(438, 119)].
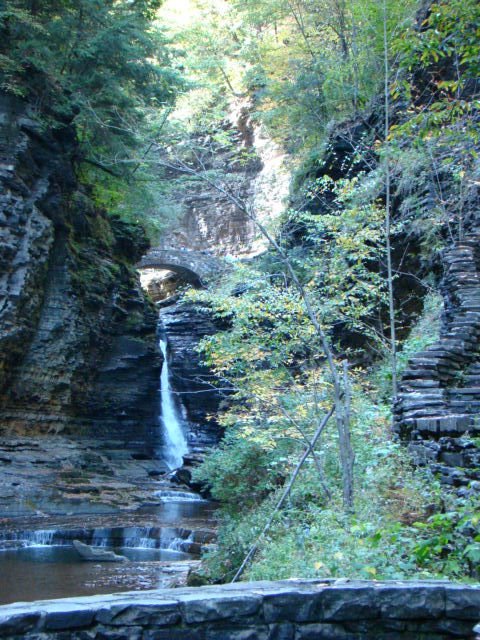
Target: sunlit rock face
[(160, 284), (77, 339), (211, 221)]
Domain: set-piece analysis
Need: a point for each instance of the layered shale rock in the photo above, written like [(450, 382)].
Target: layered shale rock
[(77, 339), (439, 397)]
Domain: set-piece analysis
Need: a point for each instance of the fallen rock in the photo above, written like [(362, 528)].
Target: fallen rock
[(93, 554)]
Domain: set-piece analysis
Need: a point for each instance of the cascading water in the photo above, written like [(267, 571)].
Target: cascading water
[(172, 495), (175, 441)]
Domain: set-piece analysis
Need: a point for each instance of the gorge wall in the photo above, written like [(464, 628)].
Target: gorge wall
[(255, 164), (78, 347), (78, 339)]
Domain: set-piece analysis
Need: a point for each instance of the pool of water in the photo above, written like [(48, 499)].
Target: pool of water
[(41, 573)]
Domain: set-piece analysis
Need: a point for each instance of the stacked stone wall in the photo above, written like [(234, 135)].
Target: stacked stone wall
[(439, 401), (286, 610)]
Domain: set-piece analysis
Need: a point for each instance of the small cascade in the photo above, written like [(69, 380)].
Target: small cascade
[(141, 538), (175, 441), (171, 495), (43, 537), (40, 538), (183, 544), (175, 538), (101, 538), (159, 538), (126, 537)]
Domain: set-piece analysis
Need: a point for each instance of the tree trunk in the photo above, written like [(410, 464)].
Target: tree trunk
[(388, 212)]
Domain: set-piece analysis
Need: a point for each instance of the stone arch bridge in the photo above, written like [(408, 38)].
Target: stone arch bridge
[(193, 266)]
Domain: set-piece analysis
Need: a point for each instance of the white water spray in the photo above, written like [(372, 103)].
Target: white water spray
[(174, 437)]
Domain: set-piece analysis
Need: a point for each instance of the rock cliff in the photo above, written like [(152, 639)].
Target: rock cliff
[(77, 339), (210, 220)]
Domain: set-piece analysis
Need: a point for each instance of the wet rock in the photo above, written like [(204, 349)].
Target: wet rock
[(58, 475), (93, 554)]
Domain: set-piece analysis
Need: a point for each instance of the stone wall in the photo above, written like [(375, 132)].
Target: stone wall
[(286, 610)]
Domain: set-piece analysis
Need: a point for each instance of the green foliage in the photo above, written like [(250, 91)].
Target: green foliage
[(450, 35), (435, 146), (142, 199), (449, 542), (312, 537), (391, 535), (304, 63), (345, 245), (436, 176), (103, 65), (312, 62), (102, 56), (238, 472), (399, 529), (425, 332)]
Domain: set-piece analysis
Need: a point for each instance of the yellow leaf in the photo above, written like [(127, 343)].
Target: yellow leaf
[(318, 565), (371, 570)]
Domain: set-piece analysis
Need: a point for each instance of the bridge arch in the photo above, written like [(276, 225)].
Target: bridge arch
[(182, 272), (192, 266)]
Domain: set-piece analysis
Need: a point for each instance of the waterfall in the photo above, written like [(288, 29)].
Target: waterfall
[(175, 442)]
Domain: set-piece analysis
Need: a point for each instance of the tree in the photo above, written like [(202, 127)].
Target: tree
[(388, 205), (198, 169), (102, 63), (313, 62)]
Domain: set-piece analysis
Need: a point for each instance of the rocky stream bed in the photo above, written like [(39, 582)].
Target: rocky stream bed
[(55, 490)]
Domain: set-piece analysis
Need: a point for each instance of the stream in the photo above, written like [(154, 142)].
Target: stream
[(161, 539)]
